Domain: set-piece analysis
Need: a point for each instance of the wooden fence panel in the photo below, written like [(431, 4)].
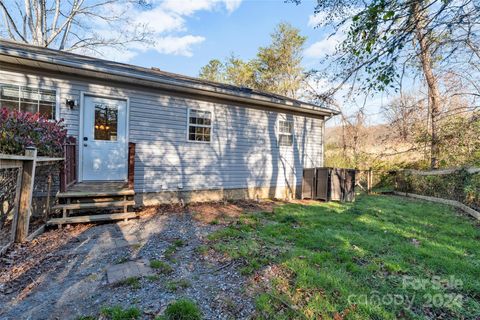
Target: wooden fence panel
[(22, 210), (26, 193)]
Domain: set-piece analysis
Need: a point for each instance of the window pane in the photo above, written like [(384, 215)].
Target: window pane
[(9, 105), (9, 93), (29, 95), (285, 127), (47, 96), (285, 140), (46, 111), (28, 99), (29, 107), (199, 125), (106, 122)]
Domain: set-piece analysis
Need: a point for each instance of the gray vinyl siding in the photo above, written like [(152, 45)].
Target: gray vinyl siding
[(243, 151)]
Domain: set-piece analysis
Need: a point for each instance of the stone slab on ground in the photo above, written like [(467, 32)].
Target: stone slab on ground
[(129, 269)]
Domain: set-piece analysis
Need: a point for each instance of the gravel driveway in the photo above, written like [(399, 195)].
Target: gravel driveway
[(62, 274)]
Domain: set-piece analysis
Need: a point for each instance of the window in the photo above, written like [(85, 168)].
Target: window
[(106, 119), (28, 99), (285, 133), (199, 125)]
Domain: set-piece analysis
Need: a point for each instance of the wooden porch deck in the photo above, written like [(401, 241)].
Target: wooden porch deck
[(97, 188)]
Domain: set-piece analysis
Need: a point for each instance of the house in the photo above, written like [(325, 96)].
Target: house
[(194, 139)]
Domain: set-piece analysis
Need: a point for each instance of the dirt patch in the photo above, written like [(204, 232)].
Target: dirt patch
[(220, 212), (224, 212), (23, 261)]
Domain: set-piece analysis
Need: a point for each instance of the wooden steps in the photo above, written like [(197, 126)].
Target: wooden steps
[(92, 218), (110, 200), (94, 194), (94, 205)]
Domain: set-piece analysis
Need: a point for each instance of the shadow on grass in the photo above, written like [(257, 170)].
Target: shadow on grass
[(381, 257)]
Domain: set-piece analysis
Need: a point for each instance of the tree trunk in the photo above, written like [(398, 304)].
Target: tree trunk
[(425, 57)]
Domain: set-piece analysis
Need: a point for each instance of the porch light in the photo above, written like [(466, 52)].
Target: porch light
[(71, 103)]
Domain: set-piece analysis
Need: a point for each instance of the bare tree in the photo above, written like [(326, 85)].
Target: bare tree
[(403, 115), (73, 24), (387, 43)]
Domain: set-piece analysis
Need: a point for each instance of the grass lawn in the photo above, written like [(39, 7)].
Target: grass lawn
[(382, 257)]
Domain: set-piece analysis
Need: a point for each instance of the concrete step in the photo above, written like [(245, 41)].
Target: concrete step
[(94, 205)]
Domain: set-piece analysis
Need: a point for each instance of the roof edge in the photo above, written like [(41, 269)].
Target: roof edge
[(20, 51)]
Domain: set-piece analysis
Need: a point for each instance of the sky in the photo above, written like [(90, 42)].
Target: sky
[(218, 31), (189, 33)]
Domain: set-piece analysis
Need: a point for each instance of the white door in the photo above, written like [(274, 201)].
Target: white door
[(104, 141)]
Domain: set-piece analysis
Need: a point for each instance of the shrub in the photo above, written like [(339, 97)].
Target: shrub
[(183, 309), (459, 185), (19, 130)]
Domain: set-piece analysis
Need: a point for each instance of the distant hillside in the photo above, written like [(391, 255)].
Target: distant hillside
[(371, 146)]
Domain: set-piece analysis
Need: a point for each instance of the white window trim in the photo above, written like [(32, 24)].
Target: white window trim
[(39, 87), (292, 134), (58, 103), (199, 125)]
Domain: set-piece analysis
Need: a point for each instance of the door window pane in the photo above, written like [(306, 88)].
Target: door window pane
[(106, 118)]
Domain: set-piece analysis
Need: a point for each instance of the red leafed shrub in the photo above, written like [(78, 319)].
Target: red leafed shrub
[(19, 130)]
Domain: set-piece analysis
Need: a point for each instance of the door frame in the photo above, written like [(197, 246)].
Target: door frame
[(83, 94)]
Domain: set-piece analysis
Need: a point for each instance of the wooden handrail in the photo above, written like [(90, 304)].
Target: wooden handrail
[(131, 165), (68, 170)]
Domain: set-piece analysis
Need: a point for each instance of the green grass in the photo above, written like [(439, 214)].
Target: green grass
[(349, 261), (175, 285), (183, 309), (132, 282), (118, 313), (172, 249), (161, 266), (202, 249), (153, 278)]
